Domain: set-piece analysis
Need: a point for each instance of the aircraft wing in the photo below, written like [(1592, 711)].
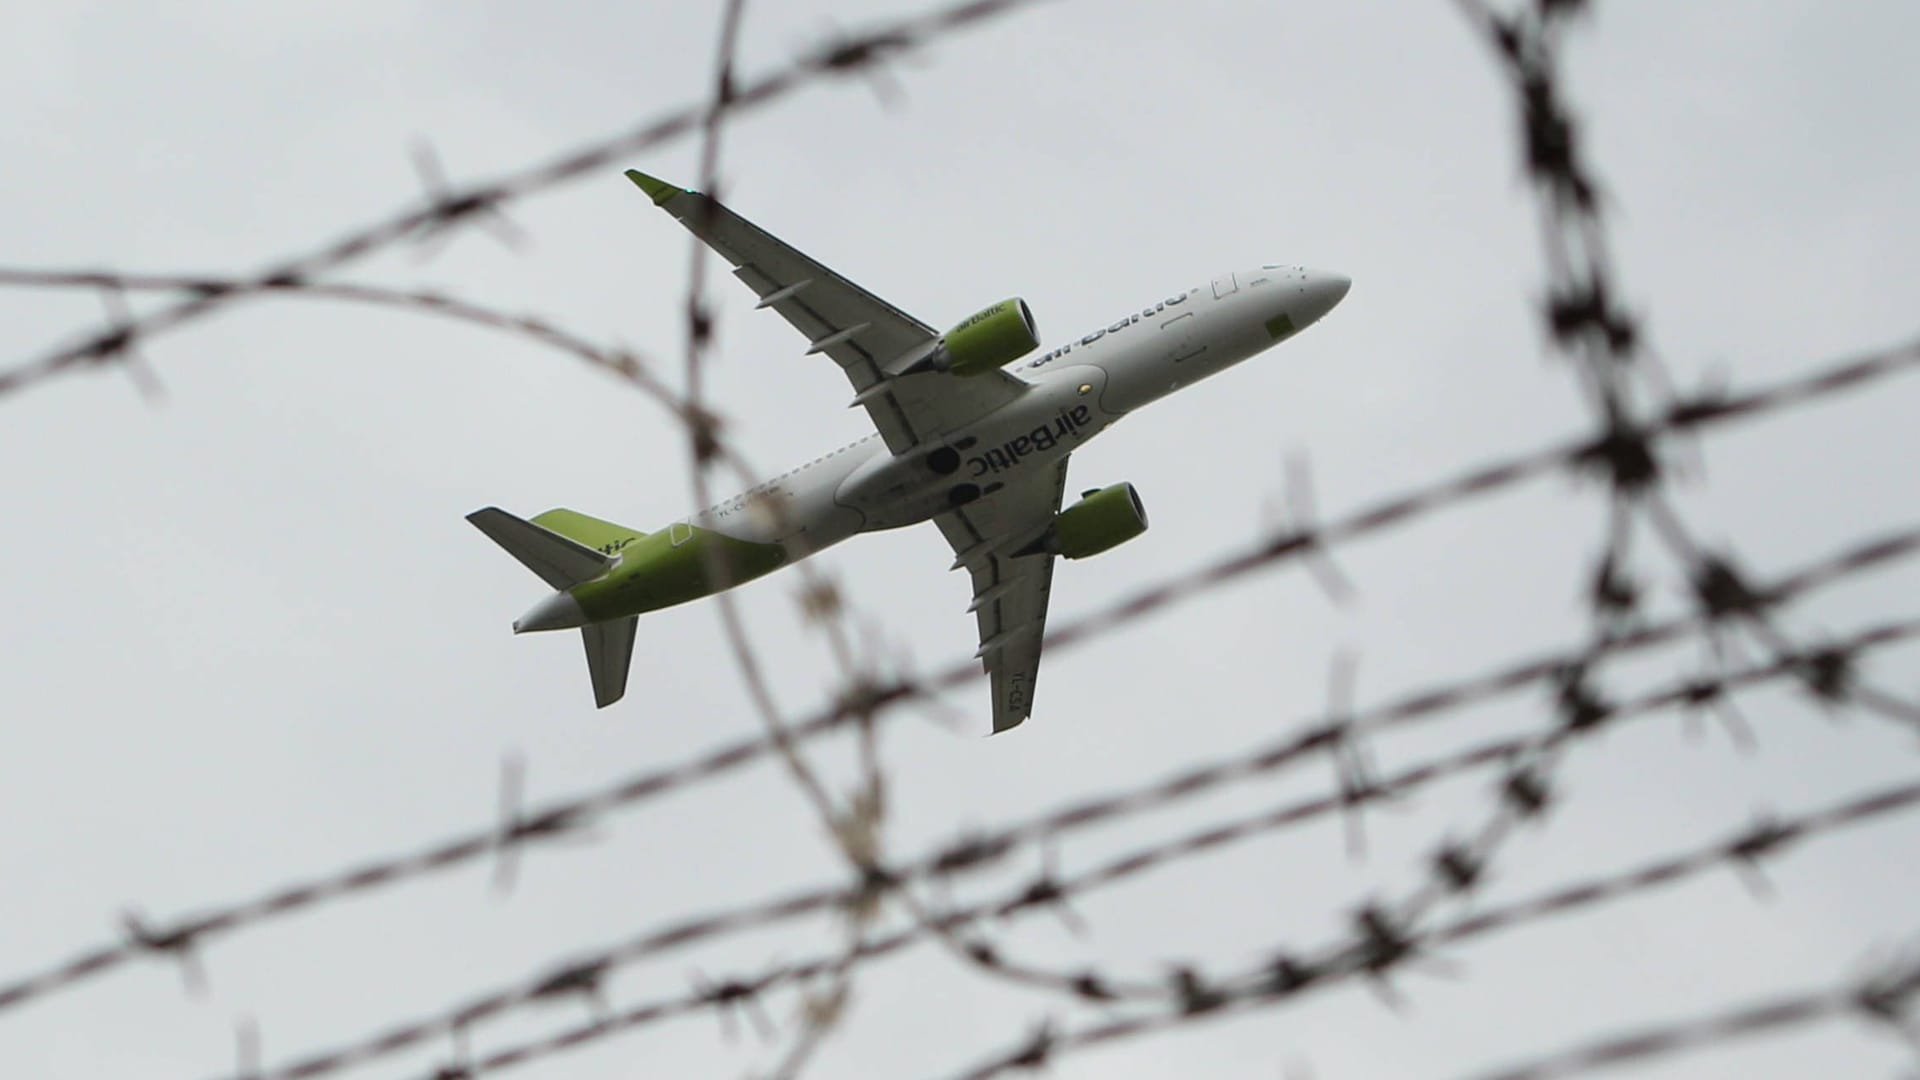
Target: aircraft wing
[(856, 329), (1010, 592)]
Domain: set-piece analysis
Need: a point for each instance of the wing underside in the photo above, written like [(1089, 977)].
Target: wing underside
[(865, 335), (872, 342), (1010, 592)]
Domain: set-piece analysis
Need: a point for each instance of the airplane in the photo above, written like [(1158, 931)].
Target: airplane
[(961, 438)]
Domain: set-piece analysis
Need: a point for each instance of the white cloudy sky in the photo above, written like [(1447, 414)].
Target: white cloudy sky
[(249, 638)]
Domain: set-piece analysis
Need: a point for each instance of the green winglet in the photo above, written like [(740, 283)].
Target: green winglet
[(658, 190)]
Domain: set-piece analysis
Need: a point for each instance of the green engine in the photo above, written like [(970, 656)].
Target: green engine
[(1101, 520), (989, 339)]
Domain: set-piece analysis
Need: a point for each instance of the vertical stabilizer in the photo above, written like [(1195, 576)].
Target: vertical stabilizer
[(609, 655)]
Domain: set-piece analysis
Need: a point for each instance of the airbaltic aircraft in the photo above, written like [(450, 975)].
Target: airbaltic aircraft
[(962, 440)]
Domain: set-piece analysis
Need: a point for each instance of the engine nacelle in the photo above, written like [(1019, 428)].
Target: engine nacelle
[(1100, 521), (989, 339)]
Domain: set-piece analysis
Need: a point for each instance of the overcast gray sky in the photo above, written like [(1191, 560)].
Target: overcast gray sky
[(249, 638)]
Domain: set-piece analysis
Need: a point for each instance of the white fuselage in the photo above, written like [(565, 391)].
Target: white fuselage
[(1078, 390)]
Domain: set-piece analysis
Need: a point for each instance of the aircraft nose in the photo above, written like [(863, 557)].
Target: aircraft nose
[(559, 611), (1324, 290)]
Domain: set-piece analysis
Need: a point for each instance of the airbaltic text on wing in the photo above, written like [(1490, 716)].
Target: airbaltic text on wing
[(1044, 437)]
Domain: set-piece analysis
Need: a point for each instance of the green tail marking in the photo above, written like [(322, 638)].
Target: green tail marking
[(658, 190), (602, 536), (656, 572)]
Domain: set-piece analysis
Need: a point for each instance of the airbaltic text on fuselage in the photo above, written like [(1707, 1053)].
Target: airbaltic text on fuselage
[(1104, 331), (1044, 437)]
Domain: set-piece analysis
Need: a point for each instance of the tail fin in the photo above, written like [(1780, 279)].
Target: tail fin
[(609, 655), (609, 644), (560, 562), (560, 546)]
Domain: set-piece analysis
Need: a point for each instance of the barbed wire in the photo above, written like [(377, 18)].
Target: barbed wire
[(1377, 949), (1456, 867), (1881, 998), (462, 206), (1198, 1000), (588, 973), (622, 363), (1296, 541), (1640, 420)]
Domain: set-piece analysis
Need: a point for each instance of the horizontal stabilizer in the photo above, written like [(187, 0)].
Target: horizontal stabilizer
[(609, 654), (560, 562)]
